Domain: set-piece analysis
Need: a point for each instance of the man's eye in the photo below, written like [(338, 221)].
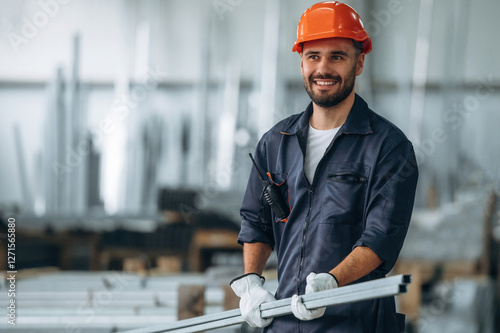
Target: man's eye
[(314, 57), (336, 57)]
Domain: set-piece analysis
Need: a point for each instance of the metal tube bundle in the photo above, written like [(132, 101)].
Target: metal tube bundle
[(349, 294)]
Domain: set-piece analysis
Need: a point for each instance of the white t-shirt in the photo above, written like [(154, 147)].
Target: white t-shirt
[(317, 142)]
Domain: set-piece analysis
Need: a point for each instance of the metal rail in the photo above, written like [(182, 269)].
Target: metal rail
[(349, 294)]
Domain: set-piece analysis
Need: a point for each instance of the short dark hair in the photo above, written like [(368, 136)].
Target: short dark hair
[(358, 46)]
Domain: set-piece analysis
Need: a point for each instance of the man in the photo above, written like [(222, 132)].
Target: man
[(349, 178)]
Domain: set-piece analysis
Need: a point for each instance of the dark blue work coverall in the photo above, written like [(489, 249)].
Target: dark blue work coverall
[(362, 194)]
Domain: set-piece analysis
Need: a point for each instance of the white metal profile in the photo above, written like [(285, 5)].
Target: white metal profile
[(349, 294)]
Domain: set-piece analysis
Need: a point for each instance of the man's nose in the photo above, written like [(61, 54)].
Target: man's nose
[(323, 67)]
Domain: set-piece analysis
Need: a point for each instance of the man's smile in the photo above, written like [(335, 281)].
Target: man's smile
[(325, 83)]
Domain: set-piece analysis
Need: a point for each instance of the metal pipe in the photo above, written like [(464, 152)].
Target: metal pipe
[(311, 304), (420, 72), (353, 293), (23, 174)]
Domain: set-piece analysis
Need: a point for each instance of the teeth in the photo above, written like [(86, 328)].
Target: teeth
[(324, 83)]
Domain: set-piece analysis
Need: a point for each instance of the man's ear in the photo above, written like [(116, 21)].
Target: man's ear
[(360, 64)]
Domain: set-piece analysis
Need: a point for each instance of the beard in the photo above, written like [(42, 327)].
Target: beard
[(326, 99)]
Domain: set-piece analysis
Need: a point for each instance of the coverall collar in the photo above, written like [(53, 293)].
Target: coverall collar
[(357, 121)]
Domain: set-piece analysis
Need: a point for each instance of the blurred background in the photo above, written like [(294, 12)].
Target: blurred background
[(126, 126)]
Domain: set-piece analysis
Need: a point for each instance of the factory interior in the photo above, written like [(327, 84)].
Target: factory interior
[(126, 129)]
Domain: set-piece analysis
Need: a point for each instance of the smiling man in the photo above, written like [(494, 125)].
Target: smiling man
[(349, 178)]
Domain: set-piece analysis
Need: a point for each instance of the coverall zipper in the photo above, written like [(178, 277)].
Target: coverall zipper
[(308, 216), (302, 243)]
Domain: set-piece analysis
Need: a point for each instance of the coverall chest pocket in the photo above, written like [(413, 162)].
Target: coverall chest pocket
[(280, 182), (346, 186)]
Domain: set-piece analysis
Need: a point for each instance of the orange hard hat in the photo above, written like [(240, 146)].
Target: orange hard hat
[(331, 19)]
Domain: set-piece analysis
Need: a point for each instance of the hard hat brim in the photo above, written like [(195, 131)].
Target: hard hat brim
[(366, 41)]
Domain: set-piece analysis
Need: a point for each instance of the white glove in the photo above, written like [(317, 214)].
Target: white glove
[(249, 288), (315, 282)]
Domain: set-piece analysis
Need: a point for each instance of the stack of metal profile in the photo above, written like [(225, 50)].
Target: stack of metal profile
[(349, 294)]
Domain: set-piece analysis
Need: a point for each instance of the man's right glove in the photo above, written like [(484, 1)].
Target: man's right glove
[(249, 288)]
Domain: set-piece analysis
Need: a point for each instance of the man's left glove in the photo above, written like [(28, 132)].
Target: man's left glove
[(315, 282), (249, 288)]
